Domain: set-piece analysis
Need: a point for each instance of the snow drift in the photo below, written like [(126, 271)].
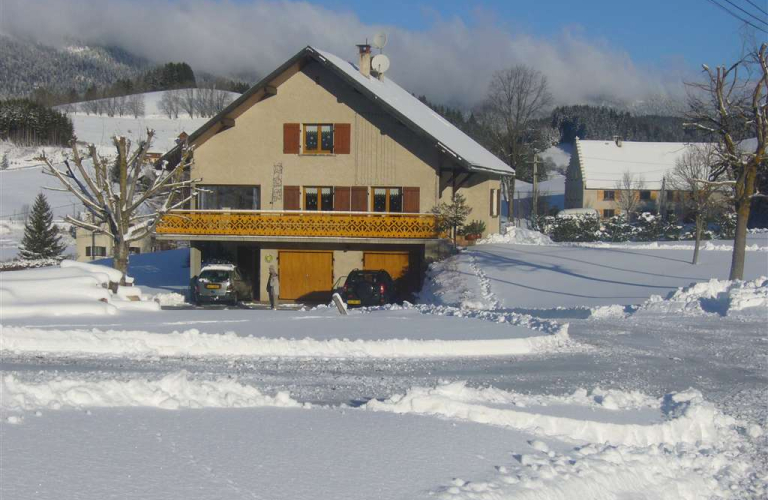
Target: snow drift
[(72, 289), (721, 297)]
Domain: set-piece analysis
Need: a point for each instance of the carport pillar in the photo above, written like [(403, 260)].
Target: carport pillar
[(195, 260)]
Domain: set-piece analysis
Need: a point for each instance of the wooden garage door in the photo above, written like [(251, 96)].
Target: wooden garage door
[(305, 276), (395, 263)]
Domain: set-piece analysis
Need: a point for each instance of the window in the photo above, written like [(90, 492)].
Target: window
[(645, 195), (134, 250), (609, 195), (318, 198), (229, 197), (387, 199), (95, 251), (608, 213), (495, 203), (318, 138)]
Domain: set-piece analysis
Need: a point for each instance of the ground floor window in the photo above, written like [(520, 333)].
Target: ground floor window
[(608, 213), (318, 198), (219, 197), (387, 199), (134, 250), (95, 251)]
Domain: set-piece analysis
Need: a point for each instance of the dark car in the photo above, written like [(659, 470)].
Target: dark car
[(368, 288), (220, 283)]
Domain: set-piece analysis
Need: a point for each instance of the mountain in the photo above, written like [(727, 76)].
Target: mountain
[(25, 65)]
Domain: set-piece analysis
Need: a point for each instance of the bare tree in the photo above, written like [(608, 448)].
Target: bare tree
[(732, 104), (188, 101), (691, 178), (129, 209), (516, 96), (135, 105), (170, 103), (628, 193)]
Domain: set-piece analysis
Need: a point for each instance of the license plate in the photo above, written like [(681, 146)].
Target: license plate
[(353, 301), (213, 287)]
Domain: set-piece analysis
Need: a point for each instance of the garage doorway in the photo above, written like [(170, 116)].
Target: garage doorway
[(305, 276), (402, 266)]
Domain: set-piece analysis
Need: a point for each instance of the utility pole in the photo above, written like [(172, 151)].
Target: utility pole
[(535, 193)]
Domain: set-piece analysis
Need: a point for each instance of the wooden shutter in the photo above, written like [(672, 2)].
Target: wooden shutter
[(411, 202), (342, 198), (494, 200), (498, 203), (291, 198), (291, 138), (341, 138), (359, 199), (600, 195)]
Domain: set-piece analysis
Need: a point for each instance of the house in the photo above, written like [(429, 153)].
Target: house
[(323, 167), (597, 167), (95, 245)]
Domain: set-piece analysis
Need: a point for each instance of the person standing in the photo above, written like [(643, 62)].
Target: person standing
[(273, 287)]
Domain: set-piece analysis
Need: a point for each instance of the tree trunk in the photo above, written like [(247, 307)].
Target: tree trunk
[(740, 240), (699, 224), (120, 259)]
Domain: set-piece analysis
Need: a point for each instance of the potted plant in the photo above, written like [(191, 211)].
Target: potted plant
[(474, 230)]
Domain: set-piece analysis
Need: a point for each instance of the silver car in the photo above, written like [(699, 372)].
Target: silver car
[(220, 283)]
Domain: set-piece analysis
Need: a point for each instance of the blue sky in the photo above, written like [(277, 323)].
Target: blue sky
[(651, 31)]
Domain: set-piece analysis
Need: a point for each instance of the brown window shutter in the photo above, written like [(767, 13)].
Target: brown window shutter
[(342, 198), (411, 200), (291, 198), (600, 195), (342, 138), (498, 203), (490, 211), (359, 199), (291, 138)]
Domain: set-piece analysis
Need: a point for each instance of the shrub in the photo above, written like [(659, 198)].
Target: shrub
[(474, 227)]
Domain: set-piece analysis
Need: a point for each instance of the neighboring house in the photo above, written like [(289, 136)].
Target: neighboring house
[(95, 246), (324, 167), (597, 167)]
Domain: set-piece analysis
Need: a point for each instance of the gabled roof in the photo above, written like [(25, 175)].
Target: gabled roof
[(603, 163), (394, 99)]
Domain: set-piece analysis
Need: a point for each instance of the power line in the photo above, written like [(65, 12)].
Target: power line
[(738, 17), (747, 12), (757, 7)]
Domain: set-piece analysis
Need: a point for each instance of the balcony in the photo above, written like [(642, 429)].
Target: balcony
[(268, 223)]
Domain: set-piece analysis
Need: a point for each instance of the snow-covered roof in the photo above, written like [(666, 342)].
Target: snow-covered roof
[(450, 138), (603, 163)]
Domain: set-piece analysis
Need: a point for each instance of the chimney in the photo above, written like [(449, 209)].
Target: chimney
[(365, 60), (617, 140)]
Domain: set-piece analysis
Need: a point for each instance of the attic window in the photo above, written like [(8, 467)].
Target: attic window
[(318, 138)]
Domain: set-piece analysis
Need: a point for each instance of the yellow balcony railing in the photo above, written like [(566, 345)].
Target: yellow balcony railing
[(296, 223)]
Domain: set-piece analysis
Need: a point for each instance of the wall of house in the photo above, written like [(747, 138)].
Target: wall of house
[(85, 238), (476, 188), (383, 151)]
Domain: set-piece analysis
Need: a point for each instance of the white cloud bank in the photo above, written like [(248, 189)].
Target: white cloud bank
[(450, 61)]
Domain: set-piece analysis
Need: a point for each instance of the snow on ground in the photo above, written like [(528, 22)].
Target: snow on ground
[(526, 277), (73, 289), (633, 404)]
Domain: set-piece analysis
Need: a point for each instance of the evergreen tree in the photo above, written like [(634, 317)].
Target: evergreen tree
[(452, 216), (41, 239), (4, 162)]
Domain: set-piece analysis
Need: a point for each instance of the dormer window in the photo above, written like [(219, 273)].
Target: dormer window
[(318, 138)]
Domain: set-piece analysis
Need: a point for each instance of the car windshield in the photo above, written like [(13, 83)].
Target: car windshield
[(214, 275)]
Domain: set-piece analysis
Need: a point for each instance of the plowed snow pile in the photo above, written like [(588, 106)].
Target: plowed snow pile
[(518, 236), (721, 297), (73, 289)]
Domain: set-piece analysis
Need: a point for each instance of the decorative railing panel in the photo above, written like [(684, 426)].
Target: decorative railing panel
[(303, 224)]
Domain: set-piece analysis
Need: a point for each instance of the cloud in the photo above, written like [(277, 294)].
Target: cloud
[(450, 61)]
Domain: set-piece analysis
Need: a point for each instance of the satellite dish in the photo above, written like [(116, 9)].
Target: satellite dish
[(380, 40), (380, 63)]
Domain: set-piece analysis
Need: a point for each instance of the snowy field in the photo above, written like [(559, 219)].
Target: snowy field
[(600, 392), (24, 178)]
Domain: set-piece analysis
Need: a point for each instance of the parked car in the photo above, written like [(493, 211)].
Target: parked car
[(220, 283), (368, 288)]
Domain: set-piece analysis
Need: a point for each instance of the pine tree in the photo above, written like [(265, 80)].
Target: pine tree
[(41, 239), (4, 162)]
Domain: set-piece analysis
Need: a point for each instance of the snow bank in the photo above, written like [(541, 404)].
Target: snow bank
[(169, 299), (682, 417), (517, 236), (194, 343), (714, 296), (72, 289), (171, 392), (664, 245)]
